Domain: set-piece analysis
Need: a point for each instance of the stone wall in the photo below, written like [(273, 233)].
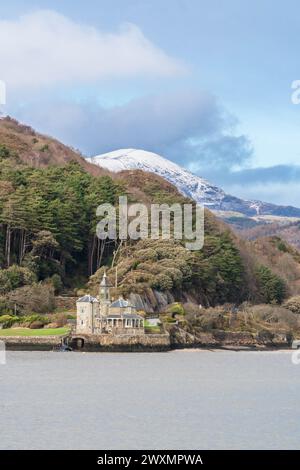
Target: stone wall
[(104, 342), (126, 343), (30, 343)]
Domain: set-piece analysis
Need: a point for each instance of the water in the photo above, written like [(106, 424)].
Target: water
[(178, 400)]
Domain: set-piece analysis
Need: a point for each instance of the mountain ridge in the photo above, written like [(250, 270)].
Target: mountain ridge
[(189, 184)]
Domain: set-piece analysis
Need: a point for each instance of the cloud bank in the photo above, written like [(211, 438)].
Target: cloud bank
[(188, 127), (45, 48)]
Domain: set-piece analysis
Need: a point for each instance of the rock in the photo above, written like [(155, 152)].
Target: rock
[(51, 325), (151, 301)]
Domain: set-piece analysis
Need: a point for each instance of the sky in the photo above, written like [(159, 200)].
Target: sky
[(205, 83)]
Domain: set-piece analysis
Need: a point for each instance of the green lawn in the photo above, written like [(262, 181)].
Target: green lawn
[(29, 332), (151, 328)]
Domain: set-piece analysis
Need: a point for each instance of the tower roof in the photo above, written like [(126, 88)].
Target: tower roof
[(105, 281), (88, 298)]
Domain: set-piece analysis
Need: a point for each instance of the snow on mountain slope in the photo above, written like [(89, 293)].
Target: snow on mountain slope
[(187, 183)]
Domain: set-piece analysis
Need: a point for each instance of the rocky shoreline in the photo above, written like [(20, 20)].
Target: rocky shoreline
[(174, 339), (219, 339)]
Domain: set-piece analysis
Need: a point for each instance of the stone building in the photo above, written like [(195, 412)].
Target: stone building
[(87, 312), (100, 316)]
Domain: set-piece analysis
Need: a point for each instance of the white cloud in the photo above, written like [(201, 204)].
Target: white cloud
[(45, 48)]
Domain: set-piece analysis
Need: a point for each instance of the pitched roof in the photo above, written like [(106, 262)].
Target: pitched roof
[(105, 281), (121, 303), (88, 298), (133, 315)]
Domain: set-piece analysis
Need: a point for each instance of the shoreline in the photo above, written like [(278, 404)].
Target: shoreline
[(143, 344)]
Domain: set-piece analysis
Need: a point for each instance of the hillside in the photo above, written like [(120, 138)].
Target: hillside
[(288, 231), (47, 234), (38, 150)]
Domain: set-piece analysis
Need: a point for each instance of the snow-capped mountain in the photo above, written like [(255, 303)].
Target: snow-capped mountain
[(187, 183)]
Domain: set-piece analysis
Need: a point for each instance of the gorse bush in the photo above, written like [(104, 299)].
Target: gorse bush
[(176, 309), (34, 318), (6, 321)]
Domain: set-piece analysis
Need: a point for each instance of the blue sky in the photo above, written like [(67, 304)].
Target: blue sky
[(204, 83)]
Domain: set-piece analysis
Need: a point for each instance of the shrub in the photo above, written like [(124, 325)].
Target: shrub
[(265, 336), (70, 316), (282, 246), (4, 152), (169, 319), (60, 319), (213, 321), (44, 148), (57, 283), (34, 317), (293, 304), (272, 314), (8, 320), (14, 277), (5, 318), (5, 308), (192, 311), (28, 320), (162, 282), (176, 309), (37, 298)]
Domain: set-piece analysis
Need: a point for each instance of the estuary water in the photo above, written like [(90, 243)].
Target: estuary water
[(188, 399)]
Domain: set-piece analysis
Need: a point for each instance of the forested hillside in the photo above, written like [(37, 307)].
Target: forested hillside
[(47, 234)]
